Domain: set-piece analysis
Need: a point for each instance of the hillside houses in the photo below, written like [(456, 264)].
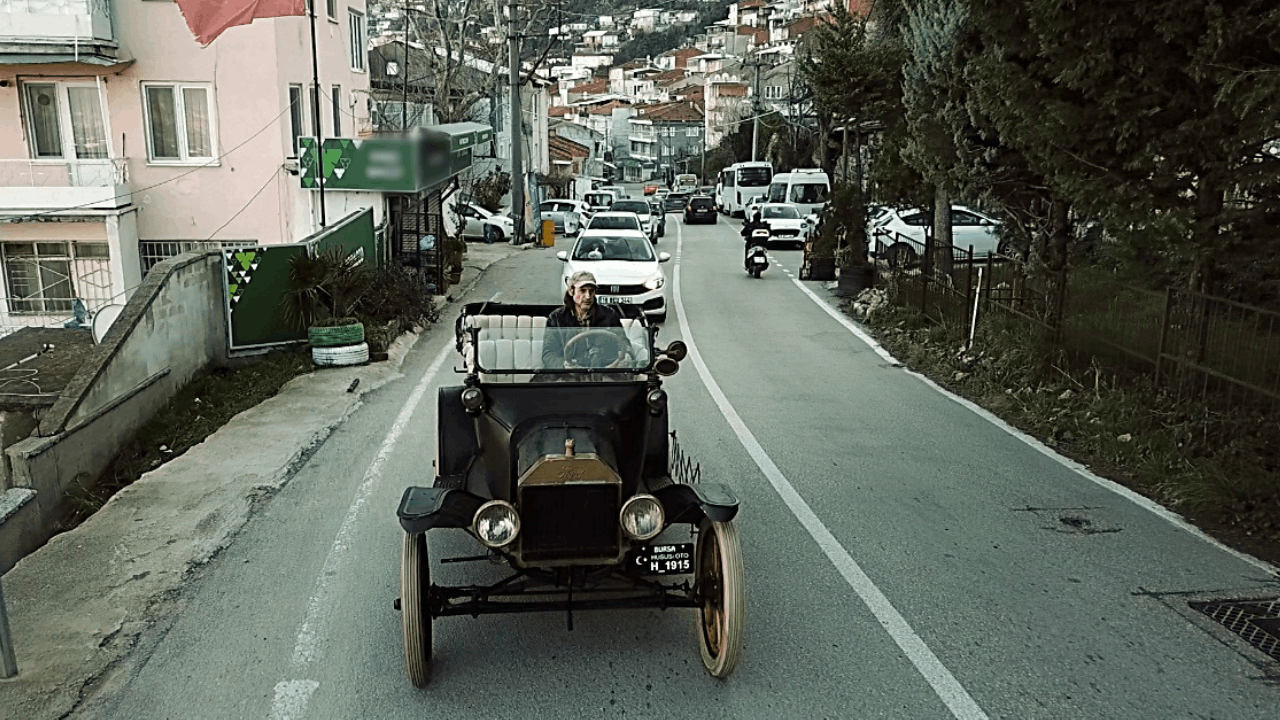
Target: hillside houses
[(643, 118)]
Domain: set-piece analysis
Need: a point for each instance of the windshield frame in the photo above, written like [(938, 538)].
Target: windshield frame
[(606, 240)]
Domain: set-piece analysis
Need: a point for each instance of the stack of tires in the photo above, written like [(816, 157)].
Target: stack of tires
[(338, 345)]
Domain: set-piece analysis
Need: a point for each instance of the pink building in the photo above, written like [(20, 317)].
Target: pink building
[(122, 141)]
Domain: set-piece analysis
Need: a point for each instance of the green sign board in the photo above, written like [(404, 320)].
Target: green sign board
[(256, 279), (403, 164)]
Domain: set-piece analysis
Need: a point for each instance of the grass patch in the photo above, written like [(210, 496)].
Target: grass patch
[(1218, 468), (205, 404)]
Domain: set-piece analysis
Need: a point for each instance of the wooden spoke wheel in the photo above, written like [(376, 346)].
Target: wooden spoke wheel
[(720, 587), (415, 610)]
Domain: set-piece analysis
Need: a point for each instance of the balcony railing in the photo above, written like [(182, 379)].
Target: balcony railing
[(72, 21), (63, 173), (44, 185)]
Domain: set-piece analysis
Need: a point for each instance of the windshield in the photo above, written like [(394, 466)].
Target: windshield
[(785, 212), (809, 193), (615, 222), (631, 249), (754, 177), (638, 207), (598, 198)]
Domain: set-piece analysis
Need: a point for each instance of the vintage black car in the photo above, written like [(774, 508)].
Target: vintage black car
[(555, 453)]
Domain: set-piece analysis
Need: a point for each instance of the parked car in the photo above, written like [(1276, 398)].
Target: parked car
[(700, 208), (676, 200), (476, 223), (902, 232), (566, 214), (627, 270), (660, 213), (785, 223), (643, 211), (610, 220)]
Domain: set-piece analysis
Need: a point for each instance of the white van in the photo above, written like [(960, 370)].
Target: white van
[(807, 189)]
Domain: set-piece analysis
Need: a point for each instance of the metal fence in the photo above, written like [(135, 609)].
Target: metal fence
[(1218, 350), (152, 252)]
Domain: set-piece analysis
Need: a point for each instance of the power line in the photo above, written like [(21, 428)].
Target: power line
[(274, 175), (210, 163)]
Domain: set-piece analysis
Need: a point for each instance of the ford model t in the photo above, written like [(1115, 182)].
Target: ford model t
[(556, 456)]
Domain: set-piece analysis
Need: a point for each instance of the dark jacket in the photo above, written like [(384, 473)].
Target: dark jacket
[(750, 225), (560, 330)]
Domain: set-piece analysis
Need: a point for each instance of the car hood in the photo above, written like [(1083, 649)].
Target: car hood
[(614, 272)]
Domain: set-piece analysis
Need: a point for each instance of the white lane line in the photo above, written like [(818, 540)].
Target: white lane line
[(1140, 500), (948, 689), (292, 695)]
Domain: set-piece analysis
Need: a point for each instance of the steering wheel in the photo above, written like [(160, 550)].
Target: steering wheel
[(616, 343)]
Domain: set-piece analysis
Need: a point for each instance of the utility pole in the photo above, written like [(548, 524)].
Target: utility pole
[(315, 109), (404, 86), (755, 110), (517, 164)]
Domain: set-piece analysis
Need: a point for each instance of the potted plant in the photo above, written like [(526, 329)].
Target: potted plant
[(324, 288), (453, 248), (846, 220)]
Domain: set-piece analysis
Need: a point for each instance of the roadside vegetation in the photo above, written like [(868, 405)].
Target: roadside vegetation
[(394, 303), (1217, 468)]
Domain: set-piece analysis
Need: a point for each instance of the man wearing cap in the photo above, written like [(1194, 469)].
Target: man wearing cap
[(580, 310)]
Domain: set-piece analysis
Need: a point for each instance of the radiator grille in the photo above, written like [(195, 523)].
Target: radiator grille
[(569, 522)]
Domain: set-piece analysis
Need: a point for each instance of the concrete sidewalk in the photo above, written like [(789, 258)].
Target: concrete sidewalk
[(79, 606)]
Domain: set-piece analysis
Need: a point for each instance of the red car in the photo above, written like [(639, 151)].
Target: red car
[(650, 189)]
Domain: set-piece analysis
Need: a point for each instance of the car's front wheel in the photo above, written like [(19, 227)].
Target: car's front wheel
[(415, 609), (492, 234), (720, 589)]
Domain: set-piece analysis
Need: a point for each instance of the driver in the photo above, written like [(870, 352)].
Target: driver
[(755, 223), (580, 310)]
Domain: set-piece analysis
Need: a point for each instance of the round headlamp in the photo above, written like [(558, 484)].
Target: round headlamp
[(496, 523), (642, 517), (677, 350), (473, 400)]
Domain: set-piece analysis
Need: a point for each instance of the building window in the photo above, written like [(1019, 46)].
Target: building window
[(65, 121), (179, 122), (355, 22), (331, 9), (38, 276), (691, 132), (337, 110), (296, 116)]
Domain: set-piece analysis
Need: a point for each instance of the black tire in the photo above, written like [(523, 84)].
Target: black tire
[(719, 584), (415, 610), (492, 234)]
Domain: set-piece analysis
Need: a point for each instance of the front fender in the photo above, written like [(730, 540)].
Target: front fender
[(422, 508), (691, 503)]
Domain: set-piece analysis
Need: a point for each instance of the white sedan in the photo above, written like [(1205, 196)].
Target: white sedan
[(785, 223), (902, 232), (627, 270), (480, 224)]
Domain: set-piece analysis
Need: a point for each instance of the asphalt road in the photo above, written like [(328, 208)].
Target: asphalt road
[(906, 557)]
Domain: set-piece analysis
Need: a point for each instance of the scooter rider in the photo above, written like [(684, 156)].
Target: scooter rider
[(755, 223)]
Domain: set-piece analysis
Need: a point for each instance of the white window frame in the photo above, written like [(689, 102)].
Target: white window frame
[(335, 102), (66, 137), (180, 123), (331, 10), (297, 117), (357, 38)]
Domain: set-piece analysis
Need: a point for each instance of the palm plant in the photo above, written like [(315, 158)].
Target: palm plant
[(324, 288)]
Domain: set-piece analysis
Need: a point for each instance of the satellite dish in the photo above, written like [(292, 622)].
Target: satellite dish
[(103, 319)]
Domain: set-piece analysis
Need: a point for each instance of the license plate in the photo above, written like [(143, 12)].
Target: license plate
[(674, 559), (615, 299), (759, 260)]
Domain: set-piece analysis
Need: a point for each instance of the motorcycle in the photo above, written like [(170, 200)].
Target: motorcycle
[(758, 254)]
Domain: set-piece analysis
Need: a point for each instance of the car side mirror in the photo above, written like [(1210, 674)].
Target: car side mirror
[(563, 255), (663, 257)]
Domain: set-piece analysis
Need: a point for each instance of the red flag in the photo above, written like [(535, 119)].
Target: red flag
[(208, 18)]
